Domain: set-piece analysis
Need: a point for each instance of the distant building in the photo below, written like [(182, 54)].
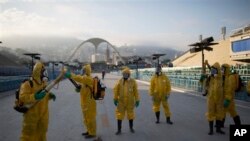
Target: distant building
[(97, 58), (233, 50)]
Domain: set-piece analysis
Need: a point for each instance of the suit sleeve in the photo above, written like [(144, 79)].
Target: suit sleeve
[(77, 78), (116, 90), (86, 80), (168, 87), (152, 86)]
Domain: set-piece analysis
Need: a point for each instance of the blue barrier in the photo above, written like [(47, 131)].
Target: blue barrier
[(13, 82), (14, 71), (188, 78)]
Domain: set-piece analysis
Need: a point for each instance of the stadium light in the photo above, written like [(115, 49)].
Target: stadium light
[(201, 46), (33, 56)]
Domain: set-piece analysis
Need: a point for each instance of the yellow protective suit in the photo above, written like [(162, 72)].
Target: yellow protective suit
[(215, 96), (229, 86), (35, 120), (88, 103), (126, 93), (160, 88)]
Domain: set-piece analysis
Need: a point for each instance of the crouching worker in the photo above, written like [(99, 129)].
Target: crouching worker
[(36, 119), (126, 97)]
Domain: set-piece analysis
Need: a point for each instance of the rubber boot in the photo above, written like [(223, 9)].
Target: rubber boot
[(223, 122), (237, 120), (131, 126), (119, 127), (218, 127), (85, 133), (211, 131), (157, 114), (169, 121), (89, 136)]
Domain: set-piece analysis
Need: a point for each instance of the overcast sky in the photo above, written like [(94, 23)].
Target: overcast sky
[(170, 23)]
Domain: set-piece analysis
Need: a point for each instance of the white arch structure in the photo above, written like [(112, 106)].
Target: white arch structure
[(96, 42)]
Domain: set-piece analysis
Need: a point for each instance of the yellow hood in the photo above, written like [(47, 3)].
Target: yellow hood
[(36, 74), (227, 69), (217, 66), (87, 69), (126, 70)]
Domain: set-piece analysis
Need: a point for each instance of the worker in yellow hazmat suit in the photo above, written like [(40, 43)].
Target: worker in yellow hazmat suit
[(126, 97), (229, 87), (160, 89), (215, 99), (35, 120), (88, 103)]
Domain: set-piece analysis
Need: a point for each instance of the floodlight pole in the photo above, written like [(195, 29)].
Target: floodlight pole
[(53, 69), (137, 72), (137, 67), (157, 56), (203, 64), (32, 55), (158, 62), (200, 46), (202, 57)]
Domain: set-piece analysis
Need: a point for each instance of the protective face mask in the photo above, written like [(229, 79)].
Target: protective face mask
[(157, 73), (83, 71), (44, 76), (214, 72), (223, 70), (125, 76)]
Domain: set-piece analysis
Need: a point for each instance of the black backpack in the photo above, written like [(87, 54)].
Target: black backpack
[(98, 90), (19, 107)]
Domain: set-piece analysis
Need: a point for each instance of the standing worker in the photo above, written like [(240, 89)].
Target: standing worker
[(160, 89), (36, 119), (88, 103), (126, 97), (215, 99), (229, 88)]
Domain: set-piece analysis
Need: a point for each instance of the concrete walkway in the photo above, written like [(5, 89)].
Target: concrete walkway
[(188, 114)]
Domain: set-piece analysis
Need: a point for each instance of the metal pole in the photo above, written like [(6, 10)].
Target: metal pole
[(202, 57), (32, 63), (158, 62), (137, 73), (203, 65), (53, 71)]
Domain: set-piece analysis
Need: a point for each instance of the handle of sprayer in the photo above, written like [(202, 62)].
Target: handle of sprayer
[(75, 84), (55, 81)]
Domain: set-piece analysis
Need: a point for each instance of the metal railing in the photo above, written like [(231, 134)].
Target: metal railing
[(188, 78), (8, 81)]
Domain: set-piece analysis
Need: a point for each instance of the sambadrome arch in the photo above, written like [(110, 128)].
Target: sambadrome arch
[(96, 42)]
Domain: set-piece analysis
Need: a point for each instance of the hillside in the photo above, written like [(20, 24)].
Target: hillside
[(59, 48)]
